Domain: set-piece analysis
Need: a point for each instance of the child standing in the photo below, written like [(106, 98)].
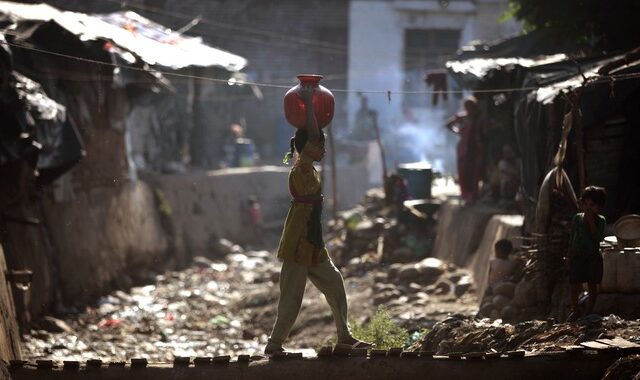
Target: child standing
[(301, 248), (584, 258), (503, 266)]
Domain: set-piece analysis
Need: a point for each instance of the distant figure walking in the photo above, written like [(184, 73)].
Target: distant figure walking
[(469, 151), (365, 121), (301, 248)]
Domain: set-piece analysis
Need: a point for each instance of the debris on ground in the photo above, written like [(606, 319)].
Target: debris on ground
[(227, 305), (459, 333)]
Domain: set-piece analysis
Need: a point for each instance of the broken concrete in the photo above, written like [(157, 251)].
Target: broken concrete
[(498, 227), (460, 230)]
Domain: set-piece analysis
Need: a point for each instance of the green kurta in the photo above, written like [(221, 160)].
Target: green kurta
[(581, 241), (304, 180)]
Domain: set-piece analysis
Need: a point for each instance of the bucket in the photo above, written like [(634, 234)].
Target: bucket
[(419, 176), (627, 230), (245, 153), (609, 282)]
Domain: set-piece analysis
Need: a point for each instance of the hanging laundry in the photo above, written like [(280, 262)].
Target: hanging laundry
[(438, 80)]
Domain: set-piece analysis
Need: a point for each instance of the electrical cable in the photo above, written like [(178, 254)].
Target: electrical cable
[(597, 78)]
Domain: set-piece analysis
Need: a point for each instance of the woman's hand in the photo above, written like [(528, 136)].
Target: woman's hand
[(306, 94)]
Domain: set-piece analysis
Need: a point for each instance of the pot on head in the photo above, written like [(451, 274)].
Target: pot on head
[(322, 99)]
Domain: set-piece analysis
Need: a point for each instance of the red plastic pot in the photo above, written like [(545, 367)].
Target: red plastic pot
[(322, 99)]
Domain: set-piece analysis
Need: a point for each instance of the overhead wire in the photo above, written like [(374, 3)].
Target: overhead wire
[(597, 78)]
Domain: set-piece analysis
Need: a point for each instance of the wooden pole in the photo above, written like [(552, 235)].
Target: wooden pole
[(334, 184), (382, 153), (579, 147), (576, 120)]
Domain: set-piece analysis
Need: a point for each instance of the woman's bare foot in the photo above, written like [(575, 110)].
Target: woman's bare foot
[(272, 348)]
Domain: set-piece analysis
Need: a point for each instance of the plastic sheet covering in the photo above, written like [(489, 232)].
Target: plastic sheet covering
[(152, 42), (35, 129)]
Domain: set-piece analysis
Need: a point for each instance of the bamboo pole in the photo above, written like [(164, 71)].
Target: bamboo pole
[(582, 177), (376, 128)]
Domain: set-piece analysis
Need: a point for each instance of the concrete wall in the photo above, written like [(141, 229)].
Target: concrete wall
[(460, 230), (499, 227), (466, 235), (104, 236), (212, 205)]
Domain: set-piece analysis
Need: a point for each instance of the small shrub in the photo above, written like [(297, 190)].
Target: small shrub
[(381, 330)]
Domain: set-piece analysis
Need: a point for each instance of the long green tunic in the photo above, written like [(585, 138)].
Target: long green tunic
[(294, 245)]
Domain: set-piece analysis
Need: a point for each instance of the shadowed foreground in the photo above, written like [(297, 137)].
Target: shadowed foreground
[(575, 364)]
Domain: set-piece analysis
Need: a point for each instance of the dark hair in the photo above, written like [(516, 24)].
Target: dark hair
[(503, 248), (596, 193), (297, 142)]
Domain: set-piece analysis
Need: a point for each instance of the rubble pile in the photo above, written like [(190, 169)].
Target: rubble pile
[(378, 229), (460, 334), (228, 306)]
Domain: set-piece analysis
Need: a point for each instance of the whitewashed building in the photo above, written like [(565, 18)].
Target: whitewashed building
[(394, 43)]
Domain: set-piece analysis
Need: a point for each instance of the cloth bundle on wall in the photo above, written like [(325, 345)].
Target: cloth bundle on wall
[(438, 80)]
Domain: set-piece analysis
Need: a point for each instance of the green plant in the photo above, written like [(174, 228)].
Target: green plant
[(381, 330)]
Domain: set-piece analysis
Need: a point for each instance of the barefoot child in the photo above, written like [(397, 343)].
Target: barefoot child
[(301, 248), (584, 258)]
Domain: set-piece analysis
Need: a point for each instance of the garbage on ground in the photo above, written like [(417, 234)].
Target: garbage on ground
[(464, 334)]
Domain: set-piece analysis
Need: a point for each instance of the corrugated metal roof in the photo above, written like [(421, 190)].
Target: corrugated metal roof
[(548, 93), (152, 42), (479, 67)]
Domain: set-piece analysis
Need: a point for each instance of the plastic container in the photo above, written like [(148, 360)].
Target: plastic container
[(627, 230), (610, 271), (322, 99), (628, 266), (419, 176), (245, 152)]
